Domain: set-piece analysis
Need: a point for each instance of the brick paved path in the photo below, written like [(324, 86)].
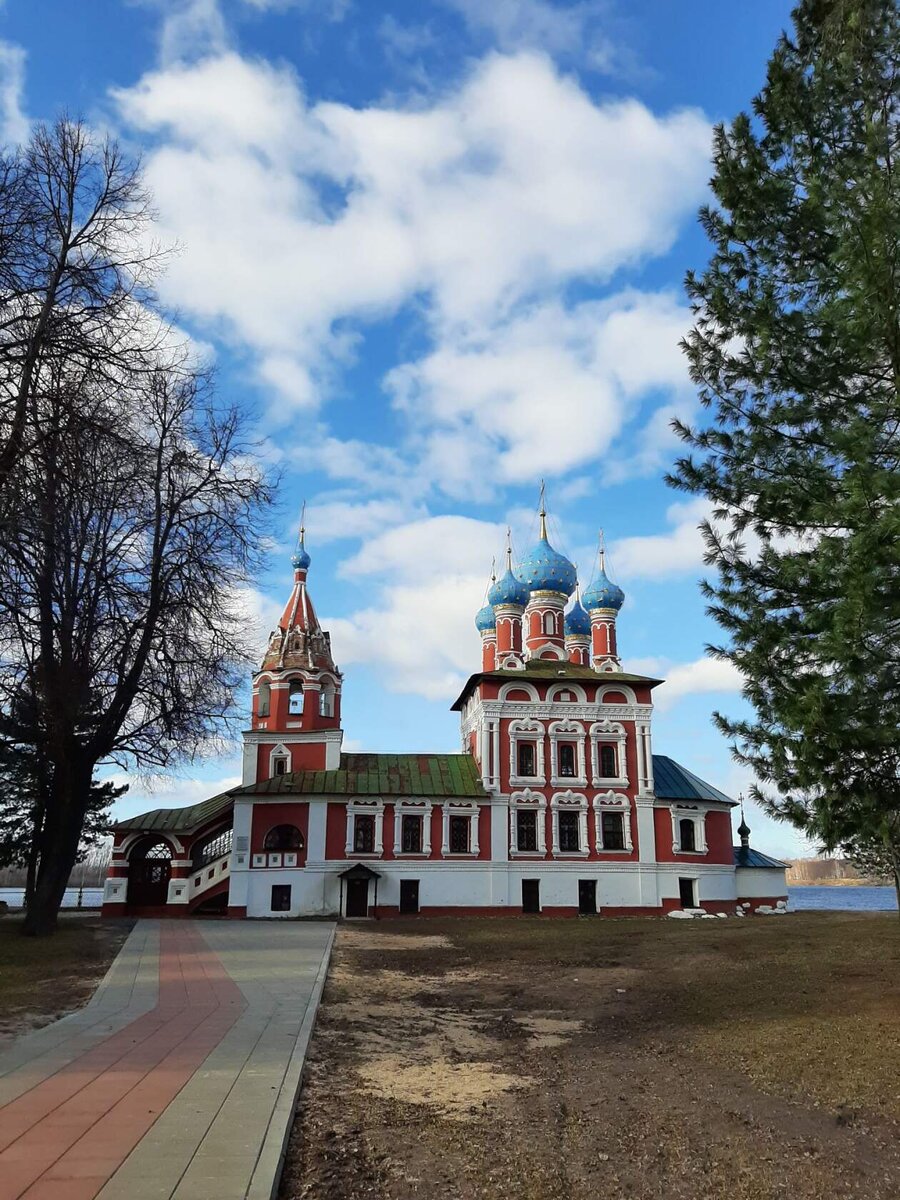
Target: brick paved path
[(179, 1079)]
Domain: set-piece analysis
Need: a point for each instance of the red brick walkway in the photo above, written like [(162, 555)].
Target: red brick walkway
[(67, 1135)]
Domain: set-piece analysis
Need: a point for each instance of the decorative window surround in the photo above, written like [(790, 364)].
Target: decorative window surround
[(279, 752), (608, 732), (367, 808), (412, 808), (526, 731), (568, 801), (460, 808), (691, 812), (534, 802), (612, 802), (567, 731)]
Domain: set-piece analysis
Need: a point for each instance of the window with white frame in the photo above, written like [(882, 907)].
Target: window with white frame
[(569, 824), (279, 761), (412, 828), (612, 822), (365, 825), (608, 754), (549, 623), (295, 698), (264, 698), (526, 826), (526, 749), (688, 830), (460, 829), (567, 753)]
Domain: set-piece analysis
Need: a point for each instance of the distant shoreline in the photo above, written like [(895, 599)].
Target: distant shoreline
[(841, 883)]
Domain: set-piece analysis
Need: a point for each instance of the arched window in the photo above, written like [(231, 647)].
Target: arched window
[(549, 623), (213, 846), (295, 698), (608, 762), (149, 849), (567, 760), (283, 837), (687, 837), (326, 699), (264, 700)]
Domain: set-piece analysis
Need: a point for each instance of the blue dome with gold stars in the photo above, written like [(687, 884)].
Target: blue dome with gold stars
[(485, 619), (603, 593), (300, 560), (508, 590), (577, 620), (544, 569)]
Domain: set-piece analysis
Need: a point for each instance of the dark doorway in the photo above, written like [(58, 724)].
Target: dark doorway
[(281, 897), (686, 893), (357, 897), (149, 871), (531, 895), (409, 895), (587, 896)]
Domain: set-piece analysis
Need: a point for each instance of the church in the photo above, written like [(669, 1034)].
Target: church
[(555, 804)]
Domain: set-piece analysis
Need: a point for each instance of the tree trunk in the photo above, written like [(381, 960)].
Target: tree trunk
[(63, 822)]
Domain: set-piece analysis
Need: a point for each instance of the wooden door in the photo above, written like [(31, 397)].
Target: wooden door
[(148, 882), (531, 895), (587, 896), (686, 893), (409, 895), (357, 897)]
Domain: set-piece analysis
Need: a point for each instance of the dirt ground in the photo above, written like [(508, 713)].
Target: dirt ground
[(589, 1058), (42, 979)]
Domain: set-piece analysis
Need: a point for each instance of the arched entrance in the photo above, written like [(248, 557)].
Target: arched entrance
[(149, 870)]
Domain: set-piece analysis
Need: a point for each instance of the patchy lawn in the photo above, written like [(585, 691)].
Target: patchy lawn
[(561, 1060), (42, 979)]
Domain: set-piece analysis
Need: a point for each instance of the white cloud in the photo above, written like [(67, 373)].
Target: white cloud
[(564, 29), (435, 548), (295, 217), (14, 124), (694, 678), (336, 520), (541, 393), (662, 555)]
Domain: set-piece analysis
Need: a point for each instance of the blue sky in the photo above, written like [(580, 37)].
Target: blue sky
[(437, 248)]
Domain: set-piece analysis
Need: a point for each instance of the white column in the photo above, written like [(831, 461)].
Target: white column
[(315, 835), (239, 879), (473, 831), (248, 763)]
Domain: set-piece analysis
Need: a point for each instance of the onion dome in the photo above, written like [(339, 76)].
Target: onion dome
[(603, 593), (300, 560), (577, 621), (544, 569), (485, 619), (508, 590)]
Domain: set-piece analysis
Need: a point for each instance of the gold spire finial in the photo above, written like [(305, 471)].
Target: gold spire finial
[(602, 552), (493, 570), (542, 513), (508, 548), (302, 540)]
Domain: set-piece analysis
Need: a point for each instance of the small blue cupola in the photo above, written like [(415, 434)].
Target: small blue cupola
[(578, 622), (603, 593)]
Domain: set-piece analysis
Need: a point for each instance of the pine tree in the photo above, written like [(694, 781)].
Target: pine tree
[(796, 354)]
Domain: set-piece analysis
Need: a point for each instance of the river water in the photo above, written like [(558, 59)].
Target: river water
[(799, 898)]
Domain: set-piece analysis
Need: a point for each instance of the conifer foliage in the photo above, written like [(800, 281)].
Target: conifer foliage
[(796, 354)]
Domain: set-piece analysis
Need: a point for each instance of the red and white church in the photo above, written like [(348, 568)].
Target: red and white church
[(556, 803)]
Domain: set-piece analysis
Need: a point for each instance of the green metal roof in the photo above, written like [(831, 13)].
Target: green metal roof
[(672, 781), (175, 820), (379, 775)]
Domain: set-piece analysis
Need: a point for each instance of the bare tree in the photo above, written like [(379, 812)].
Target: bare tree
[(75, 270), (138, 518)]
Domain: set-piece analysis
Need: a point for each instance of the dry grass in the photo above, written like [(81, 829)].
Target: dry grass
[(569, 1059), (41, 979)]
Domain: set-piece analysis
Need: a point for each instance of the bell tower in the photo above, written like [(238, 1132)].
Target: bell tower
[(295, 720)]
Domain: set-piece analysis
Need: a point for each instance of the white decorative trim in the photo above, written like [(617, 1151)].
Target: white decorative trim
[(279, 751), (412, 808), (569, 800), (575, 688), (608, 731), (460, 808), (519, 687), (697, 816), (358, 806), (529, 801), (612, 802), (567, 731), (526, 730)]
